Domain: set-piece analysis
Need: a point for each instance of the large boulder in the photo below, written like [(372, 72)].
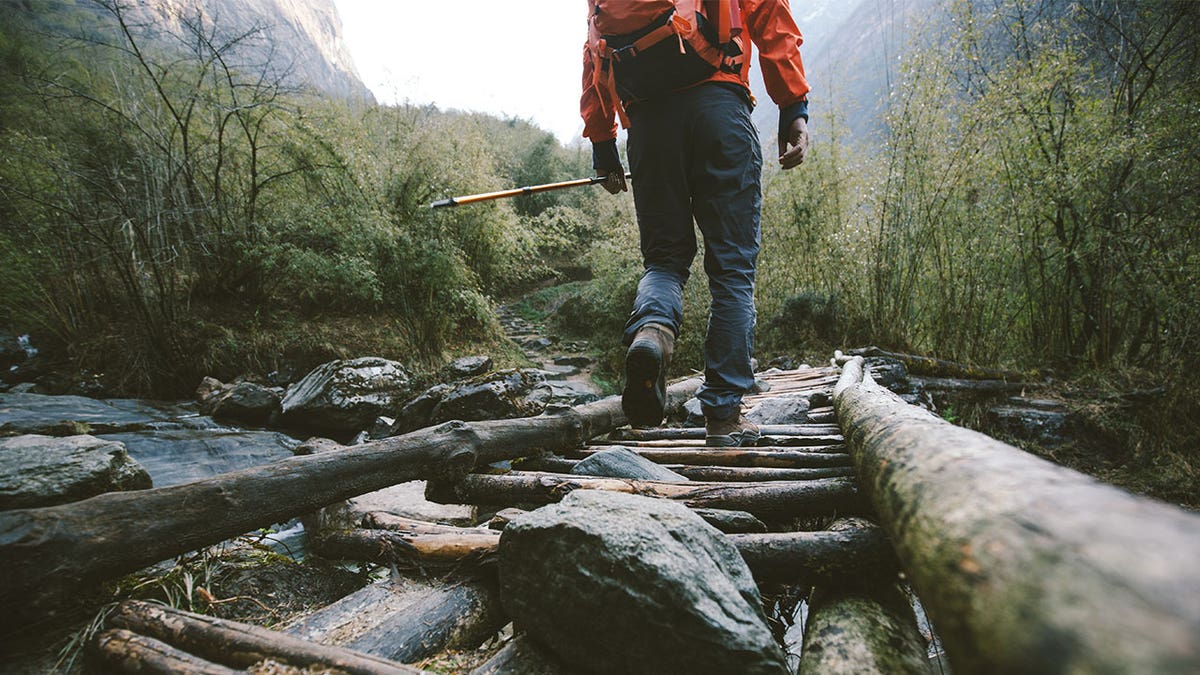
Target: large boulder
[(44, 471), (468, 366), (247, 402), (617, 583), (500, 395), (346, 395)]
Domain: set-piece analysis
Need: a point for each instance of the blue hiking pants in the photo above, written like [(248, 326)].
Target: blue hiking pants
[(695, 155)]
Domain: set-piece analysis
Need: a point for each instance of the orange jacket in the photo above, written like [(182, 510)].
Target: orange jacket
[(771, 28)]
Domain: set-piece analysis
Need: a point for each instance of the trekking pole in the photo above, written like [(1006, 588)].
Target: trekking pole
[(530, 190)]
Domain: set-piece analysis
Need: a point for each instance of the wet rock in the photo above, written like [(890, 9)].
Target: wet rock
[(624, 463), (499, 395), (44, 471), (556, 372), (571, 393), (243, 402), (622, 583), (537, 344), (381, 428), (22, 413), (781, 410), (468, 366), (11, 351), (408, 500), (180, 455), (576, 361), (346, 395), (418, 413)]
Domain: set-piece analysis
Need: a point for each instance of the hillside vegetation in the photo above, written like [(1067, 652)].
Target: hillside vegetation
[(169, 210)]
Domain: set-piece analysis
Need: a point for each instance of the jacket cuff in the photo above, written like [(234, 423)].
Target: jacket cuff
[(605, 158), (790, 113)]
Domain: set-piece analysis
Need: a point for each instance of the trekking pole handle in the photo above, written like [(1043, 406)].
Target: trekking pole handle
[(516, 192)]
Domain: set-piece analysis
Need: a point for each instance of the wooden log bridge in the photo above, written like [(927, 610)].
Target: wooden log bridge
[(1023, 566)]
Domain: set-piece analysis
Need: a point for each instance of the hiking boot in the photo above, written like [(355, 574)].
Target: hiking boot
[(731, 432), (645, 397)]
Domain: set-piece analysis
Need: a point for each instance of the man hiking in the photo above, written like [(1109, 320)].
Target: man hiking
[(676, 73)]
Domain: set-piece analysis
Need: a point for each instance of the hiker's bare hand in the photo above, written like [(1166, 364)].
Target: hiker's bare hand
[(614, 182), (791, 153)]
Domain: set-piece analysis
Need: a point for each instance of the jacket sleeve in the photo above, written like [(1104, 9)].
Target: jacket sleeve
[(599, 125), (774, 32)]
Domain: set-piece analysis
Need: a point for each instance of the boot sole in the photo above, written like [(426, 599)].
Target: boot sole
[(644, 398), (743, 439)]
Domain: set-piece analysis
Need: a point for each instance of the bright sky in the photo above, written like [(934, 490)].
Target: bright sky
[(505, 57)]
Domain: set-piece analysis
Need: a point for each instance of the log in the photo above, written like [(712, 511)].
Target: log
[(724, 474), (731, 522), (1023, 565), (774, 499), (701, 473), (850, 549), (859, 550), (50, 554), (929, 366), (523, 656), (122, 651), (862, 628), (780, 458), (975, 386), (693, 433), (775, 441), (411, 550), (407, 619), (240, 645), (383, 520)]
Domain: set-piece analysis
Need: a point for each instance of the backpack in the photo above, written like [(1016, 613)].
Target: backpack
[(642, 48)]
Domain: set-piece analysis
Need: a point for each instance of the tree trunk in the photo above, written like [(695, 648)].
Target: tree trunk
[(123, 651), (240, 645), (724, 474), (776, 499), (523, 656), (408, 619), (409, 550), (693, 433), (49, 554), (862, 628), (774, 441), (778, 458), (851, 549), (929, 366), (1023, 565)]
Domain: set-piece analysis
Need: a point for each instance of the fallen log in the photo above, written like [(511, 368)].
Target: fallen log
[(765, 441), (731, 522), (780, 458), (976, 386), (122, 651), (382, 520), (523, 656), (1023, 565), (862, 628), (50, 554), (239, 645), (929, 366), (775, 499), (693, 433), (700, 473), (850, 549), (725, 520), (724, 474), (412, 550), (407, 619)]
